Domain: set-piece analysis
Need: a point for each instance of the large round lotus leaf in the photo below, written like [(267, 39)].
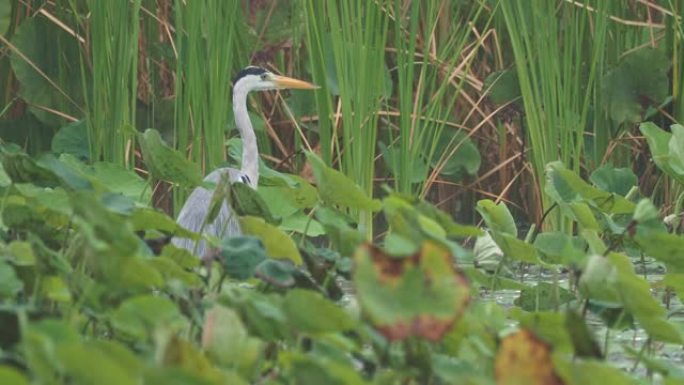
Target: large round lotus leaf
[(419, 295)]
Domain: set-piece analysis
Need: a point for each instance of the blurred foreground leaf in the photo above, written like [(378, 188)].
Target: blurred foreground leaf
[(524, 359), (419, 295), (276, 242)]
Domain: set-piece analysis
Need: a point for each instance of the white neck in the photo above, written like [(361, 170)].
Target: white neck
[(250, 152)]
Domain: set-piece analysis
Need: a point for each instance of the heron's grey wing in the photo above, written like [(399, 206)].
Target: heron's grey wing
[(195, 210)]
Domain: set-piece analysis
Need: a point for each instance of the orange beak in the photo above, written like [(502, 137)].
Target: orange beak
[(285, 82)]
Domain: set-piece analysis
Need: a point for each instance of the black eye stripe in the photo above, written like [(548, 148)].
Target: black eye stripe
[(251, 70), (245, 179)]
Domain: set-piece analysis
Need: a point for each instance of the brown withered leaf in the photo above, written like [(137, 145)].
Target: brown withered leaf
[(524, 359)]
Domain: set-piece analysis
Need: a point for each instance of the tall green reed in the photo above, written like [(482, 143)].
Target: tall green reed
[(431, 62), (675, 43), (208, 55), (353, 34), (112, 104), (557, 71)]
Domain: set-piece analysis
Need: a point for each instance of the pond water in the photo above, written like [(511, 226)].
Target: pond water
[(618, 340)]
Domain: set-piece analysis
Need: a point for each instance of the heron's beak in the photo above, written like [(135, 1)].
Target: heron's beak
[(285, 82)]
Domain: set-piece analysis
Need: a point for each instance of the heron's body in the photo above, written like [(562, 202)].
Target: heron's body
[(195, 210), (192, 215)]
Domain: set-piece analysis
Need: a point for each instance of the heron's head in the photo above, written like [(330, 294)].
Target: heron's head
[(258, 79)]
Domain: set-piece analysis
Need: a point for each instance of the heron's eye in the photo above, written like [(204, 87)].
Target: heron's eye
[(264, 77)]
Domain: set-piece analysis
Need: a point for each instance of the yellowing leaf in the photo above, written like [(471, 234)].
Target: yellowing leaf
[(524, 359), (419, 295)]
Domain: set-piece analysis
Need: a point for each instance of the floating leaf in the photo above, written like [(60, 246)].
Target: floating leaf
[(523, 358), (309, 312), (420, 295), (276, 242), (336, 188), (167, 164)]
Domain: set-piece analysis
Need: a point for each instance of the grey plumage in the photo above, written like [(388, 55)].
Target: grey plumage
[(195, 210)]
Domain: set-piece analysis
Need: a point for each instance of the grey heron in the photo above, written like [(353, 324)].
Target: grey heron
[(195, 209)]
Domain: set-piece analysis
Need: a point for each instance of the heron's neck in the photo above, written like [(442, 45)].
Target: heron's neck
[(250, 152)]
